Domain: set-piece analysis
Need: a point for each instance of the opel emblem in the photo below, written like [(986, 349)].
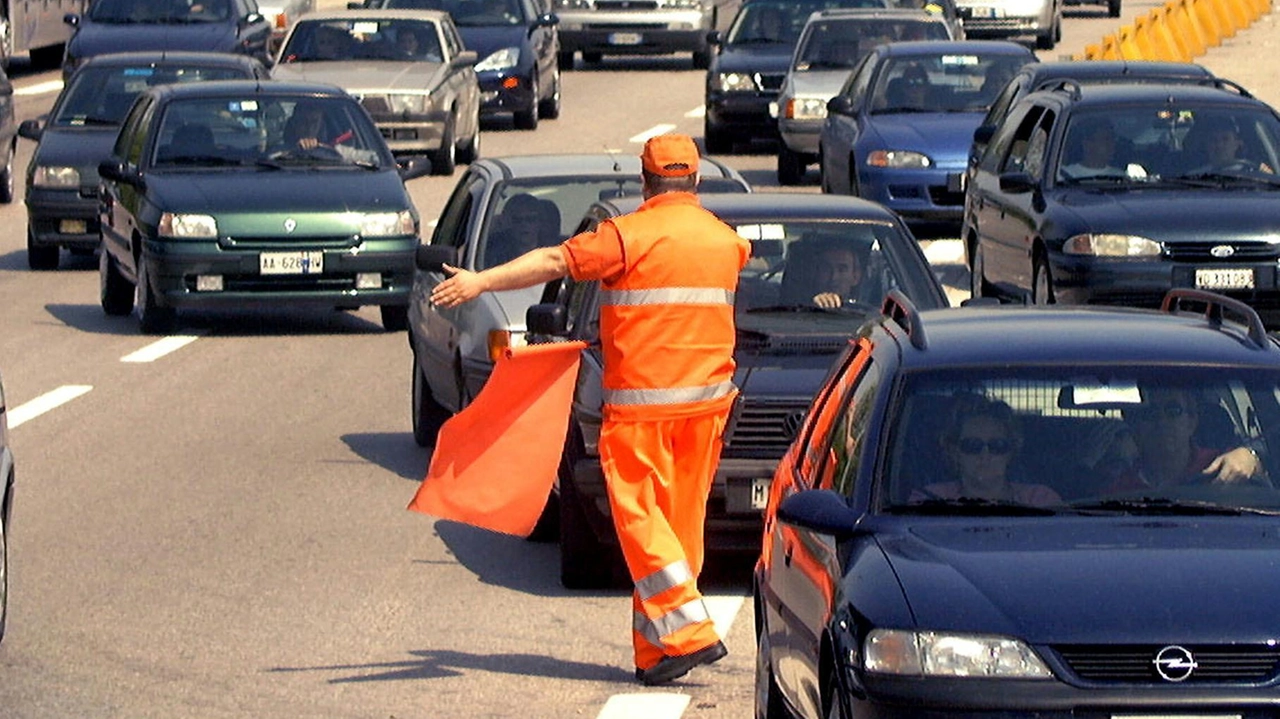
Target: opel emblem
[(290, 225), (791, 423), (1174, 663), (1222, 251)]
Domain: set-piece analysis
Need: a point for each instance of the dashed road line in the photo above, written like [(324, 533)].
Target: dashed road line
[(652, 132), (40, 88), (159, 348), (46, 402), (699, 111)]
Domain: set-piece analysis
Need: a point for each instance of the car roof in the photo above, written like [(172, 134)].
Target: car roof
[(375, 14), (1147, 93), (171, 57), (1010, 335), (569, 165), (221, 88), (938, 47), (765, 205), (858, 13), (1084, 69)]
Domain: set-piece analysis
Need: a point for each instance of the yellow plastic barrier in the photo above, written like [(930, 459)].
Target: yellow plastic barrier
[(1226, 21), (1186, 28), (1129, 47), (1204, 13), (1178, 31)]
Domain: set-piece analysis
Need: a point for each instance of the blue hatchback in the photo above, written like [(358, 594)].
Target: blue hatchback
[(900, 129)]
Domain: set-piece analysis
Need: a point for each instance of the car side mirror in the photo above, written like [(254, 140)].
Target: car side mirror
[(547, 319), (1017, 183), (715, 38), (820, 510), (840, 105), (252, 19), (466, 58), (547, 20), (120, 171), (30, 129), (71, 19), (432, 258), (414, 167), (983, 134)]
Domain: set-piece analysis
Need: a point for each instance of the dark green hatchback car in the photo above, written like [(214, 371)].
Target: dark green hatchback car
[(240, 195)]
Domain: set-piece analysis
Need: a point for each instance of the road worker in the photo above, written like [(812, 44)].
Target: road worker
[(668, 272)]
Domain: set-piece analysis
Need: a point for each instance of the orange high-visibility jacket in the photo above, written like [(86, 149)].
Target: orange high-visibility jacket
[(666, 318)]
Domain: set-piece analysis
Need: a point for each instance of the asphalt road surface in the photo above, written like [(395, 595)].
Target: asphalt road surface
[(213, 525)]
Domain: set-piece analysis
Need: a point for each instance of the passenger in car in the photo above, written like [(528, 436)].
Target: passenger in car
[(525, 223), (979, 442), (1093, 147)]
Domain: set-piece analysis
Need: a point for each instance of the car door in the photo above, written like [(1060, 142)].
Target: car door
[(462, 83), (121, 202), (544, 40), (841, 130)]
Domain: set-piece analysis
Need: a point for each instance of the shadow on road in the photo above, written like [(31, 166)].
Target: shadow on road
[(439, 663)]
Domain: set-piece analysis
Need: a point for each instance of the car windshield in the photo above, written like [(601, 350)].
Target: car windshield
[(102, 95), (159, 11), (951, 82), (266, 132), (1191, 145), (363, 39), (839, 44), (469, 13), (1145, 440)]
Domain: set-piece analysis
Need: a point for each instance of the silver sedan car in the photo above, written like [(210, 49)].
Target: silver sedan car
[(409, 70)]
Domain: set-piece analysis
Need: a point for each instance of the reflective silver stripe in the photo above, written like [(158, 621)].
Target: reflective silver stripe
[(673, 395), (667, 296), (672, 575), (687, 614)]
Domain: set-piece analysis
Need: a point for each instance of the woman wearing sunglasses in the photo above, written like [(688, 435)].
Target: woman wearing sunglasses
[(979, 442)]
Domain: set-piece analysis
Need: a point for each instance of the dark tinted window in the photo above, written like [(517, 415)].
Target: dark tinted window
[(102, 95)]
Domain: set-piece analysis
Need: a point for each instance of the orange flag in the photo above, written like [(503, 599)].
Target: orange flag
[(495, 462)]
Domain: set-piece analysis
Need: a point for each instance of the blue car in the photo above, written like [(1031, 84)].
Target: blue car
[(518, 46), (900, 129)]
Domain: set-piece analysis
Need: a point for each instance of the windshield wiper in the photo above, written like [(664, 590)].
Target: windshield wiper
[(900, 110), (788, 308), (1164, 505), (1222, 179), (972, 506), (211, 160)]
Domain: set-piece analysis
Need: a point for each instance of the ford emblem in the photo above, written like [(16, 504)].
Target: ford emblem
[(1222, 251), (290, 225)]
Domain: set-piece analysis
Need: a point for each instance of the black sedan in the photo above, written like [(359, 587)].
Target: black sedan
[(77, 134), (1092, 194), (6, 508), (227, 194), (233, 26), (819, 267), (984, 517)]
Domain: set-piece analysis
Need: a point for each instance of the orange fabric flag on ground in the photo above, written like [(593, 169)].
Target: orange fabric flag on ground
[(495, 462)]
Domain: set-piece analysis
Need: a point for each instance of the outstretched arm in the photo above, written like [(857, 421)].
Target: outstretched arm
[(534, 267)]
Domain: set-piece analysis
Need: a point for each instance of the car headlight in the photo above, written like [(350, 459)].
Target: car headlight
[(500, 60), (1105, 245), (806, 108), (685, 4), (53, 176), (734, 82), (939, 654), (899, 159), (182, 227), (386, 224), (574, 4), (415, 103)]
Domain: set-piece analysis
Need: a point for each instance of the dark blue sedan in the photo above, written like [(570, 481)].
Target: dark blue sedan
[(899, 130)]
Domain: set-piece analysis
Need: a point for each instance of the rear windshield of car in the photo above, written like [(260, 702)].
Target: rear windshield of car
[(469, 13), (950, 82), (840, 44), (102, 95), (164, 12)]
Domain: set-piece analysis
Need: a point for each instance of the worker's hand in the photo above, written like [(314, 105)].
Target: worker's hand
[(828, 300), (308, 143), (461, 286), (1237, 465)]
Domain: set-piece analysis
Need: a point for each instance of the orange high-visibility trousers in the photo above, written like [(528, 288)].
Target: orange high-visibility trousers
[(659, 475)]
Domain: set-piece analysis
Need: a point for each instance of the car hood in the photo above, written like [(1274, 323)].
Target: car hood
[(789, 354), (818, 83), (1093, 580), (489, 39), (355, 75), (101, 38), (81, 147), (944, 136), (772, 59), (1172, 215)]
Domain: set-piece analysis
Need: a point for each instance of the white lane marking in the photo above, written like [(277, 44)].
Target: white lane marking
[(42, 88), (46, 402), (159, 348), (723, 611), (699, 111), (652, 132), (644, 706), (944, 252)]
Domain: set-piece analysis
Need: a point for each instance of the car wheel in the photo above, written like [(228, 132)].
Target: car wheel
[(527, 119), (40, 257), (1041, 283), (153, 318), (977, 286), (470, 152), (831, 696), (6, 180), (585, 562), (790, 166), (395, 318), (444, 160), (1045, 41), (717, 141), (701, 59), (1113, 8), (114, 291), (550, 107), (428, 414), (564, 60), (768, 699), (4, 571)]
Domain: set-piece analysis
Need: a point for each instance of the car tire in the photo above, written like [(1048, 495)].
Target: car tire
[(977, 285), (1046, 41), (4, 570), (547, 530), (470, 152), (6, 179), (717, 141), (395, 318), (41, 257), (153, 318), (701, 59), (114, 291), (527, 119), (445, 160), (768, 698), (428, 415), (790, 166), (585, 561), (564, 59), (1041, 282), (549, 109), (1113, 8)]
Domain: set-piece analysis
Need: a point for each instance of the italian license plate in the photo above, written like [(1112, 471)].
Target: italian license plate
[(71, 227), (987, 12), (759, 493), (625, 38), (291, 263), (1224, 278)]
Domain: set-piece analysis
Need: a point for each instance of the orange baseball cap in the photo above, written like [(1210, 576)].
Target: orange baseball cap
[(670, 156)]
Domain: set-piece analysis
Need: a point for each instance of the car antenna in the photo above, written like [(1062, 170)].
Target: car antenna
[(617, 166)]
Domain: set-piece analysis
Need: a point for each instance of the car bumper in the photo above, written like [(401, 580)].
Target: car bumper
[(801, 136), (633, 33), (733, 524), (932, 195), (505, 92), (407, 134), (175, 266), (744, 114), (1141, 283), (63, 218), (977, 28)]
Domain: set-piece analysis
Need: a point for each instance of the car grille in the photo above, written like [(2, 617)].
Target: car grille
[(624, 27), (626, 5), (288, 243), (1243, 251), (329, 283), (771, 81), (764, 428), (1136, 664)]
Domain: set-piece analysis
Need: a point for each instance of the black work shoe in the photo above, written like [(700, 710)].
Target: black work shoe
[(671, 668), (639, 674)]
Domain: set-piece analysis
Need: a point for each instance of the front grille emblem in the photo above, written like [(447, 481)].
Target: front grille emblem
[(290, 225), (791, 423), (1221, 251), (1175, 664)]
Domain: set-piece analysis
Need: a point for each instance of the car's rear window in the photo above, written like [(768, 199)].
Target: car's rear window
[(102, 95)]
